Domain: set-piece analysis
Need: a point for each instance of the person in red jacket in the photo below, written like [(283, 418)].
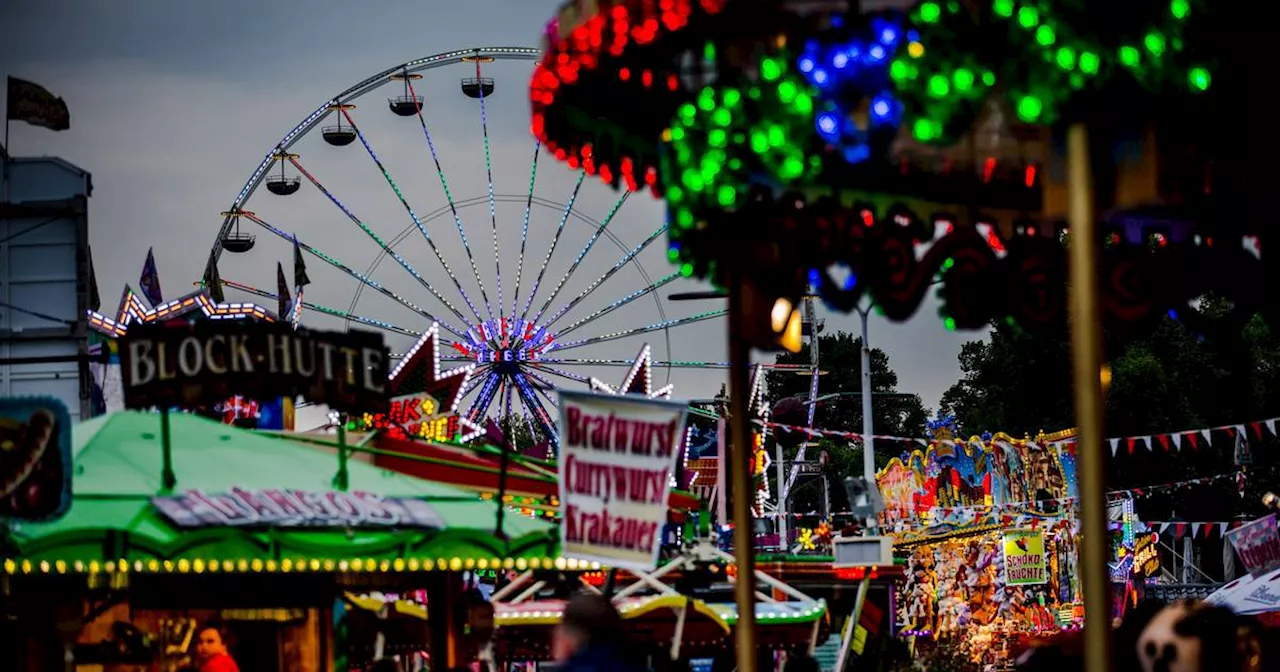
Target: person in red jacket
[(211, 651)]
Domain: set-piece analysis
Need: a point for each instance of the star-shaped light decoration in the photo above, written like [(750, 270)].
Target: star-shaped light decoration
[(419, 374), (639, 380)]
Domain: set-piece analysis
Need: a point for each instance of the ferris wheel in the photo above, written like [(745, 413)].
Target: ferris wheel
[(565, 295)]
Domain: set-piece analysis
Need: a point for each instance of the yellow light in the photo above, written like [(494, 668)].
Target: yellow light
[(398, 564), (1106, 376), (455, 564), (383, 566), (271, 565), (508, 563), (213, 565), (44, 566), (153, 565), (521, 564), (256, 565), (781, 314), (167, 564), (122, 565), (561, 564), (329, 565), (78, 565), (915, 49), (109, 566), (413, 564), (137, 566), (469, 564), (184, 565), (286, 565), (483, 563), (314, 565), (198, 566), (427, 565), (228, 566), (357, 565), (26, 566), (791, 337)]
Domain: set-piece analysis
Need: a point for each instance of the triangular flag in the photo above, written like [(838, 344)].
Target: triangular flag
[(1164, 441), (1179, 530), (1222, 529), (300, 278), (1130, 442), (1163, 527), (1191, 436), (213, 281), (1115, 445), (1208, 436), (1257, 429), (1208, 530), (1177, 441), (282, 292), (1240, 431), (1195, 530), (1146, 441), (1271, 426), (149, 282)]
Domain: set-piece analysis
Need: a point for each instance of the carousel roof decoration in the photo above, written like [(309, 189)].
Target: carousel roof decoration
[(778, 113), (419, 373), (132, 310), (639, 379)]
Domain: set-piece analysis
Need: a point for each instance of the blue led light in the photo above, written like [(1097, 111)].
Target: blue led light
[(828, 125), (806, 65)]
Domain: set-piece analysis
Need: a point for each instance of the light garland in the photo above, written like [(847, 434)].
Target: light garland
[(298, 565), (132, 311)]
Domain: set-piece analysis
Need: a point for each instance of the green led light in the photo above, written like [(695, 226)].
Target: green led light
[(721, 117), (726, 195), (684, 218), (963, 79), (1155, 43), (1130, 56), (803, 103), (938, 86), (1028, 17), (732, 97), (1199, 78), (949, 323), (792, 168), (716, 138), (770, 70), (673, 254), (709, 51), (899, 71), (686, 269), (1066, 58), (674, 194), (677, 133), (1045, 35), (930, 12), (1180, 9), (1030, 108), (924, 130), (777, 136), (1089, 62), (759, 141), (1002, 8), (988, 78), (787, 91)]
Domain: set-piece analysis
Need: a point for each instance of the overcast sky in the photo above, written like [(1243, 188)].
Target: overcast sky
[(173, 105)]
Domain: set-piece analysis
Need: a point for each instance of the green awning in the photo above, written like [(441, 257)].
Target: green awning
[(118, 461)]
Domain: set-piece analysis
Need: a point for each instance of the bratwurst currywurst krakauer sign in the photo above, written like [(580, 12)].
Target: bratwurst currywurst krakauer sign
[(617, 458), (195, 365)]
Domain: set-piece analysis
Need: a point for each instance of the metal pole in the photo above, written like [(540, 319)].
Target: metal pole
[(1086, 356), (740, 423), (783, 542), (167, 477), (342, 479), (868, 440)]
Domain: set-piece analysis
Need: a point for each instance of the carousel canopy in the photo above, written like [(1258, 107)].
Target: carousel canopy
[(244, 500)]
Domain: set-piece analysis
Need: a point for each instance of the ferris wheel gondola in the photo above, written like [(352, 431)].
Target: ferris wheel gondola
[(523, 333)]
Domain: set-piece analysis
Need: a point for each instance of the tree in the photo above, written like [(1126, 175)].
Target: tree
[(893, 413), (520, 432)]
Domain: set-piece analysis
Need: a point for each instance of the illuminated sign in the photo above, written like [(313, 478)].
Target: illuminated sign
[(415, 416), (1146, 556)]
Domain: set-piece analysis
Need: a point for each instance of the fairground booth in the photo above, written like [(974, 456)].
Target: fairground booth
[(988, 529)]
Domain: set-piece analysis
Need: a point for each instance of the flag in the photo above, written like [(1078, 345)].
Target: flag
[(282, 292), (150, 280), (33, 104), (213, 281), (300, 278)]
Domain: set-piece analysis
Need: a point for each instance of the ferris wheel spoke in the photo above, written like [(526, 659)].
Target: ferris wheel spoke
[(493, 213), (564, 218), (364, 279), (422, 228), (626, 258), (539, 366), (643, 291), (404, 263), (487, 393), (582, 254), (317, 308), (700, 317), (524, 229), (675, 364), (506, 406), (530, 399)]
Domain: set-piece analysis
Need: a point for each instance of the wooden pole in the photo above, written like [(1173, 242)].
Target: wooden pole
[(739, 460), (1086, 357)]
